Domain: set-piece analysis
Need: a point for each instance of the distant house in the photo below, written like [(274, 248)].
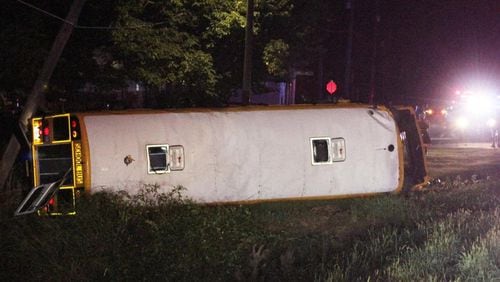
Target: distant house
[(275, 93), (90, 98), (303, 88)]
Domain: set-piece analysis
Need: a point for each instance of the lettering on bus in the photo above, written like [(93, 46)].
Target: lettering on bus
[(78, 163)]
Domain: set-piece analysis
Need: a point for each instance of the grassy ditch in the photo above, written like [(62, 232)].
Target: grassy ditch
[(449, 231)]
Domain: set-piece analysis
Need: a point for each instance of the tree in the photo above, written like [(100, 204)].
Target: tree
[(166, 45), (304, 36), (193, 49), (190, 52), (275, 57)]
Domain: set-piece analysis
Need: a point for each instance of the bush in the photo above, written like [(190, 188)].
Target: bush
[(150, 236)]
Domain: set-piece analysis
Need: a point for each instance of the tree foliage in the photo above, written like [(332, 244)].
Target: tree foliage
[(189, 51), (171, 43), (275, 57)]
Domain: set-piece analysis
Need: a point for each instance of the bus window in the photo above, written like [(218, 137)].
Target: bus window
[(157, 158), (37, 198), (60, 128), (320, 151), (53, 162)]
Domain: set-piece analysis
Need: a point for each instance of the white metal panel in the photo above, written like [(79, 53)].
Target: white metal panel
[(248, 155)]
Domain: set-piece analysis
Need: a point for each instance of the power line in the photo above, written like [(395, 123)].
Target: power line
[(84, 26)]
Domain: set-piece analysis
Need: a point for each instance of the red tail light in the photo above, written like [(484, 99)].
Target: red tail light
[(45, 131), (75, 128)]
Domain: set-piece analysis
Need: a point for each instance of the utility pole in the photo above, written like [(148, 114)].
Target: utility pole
[(247, 60), (373, 71), (348, 53), (9, 155)]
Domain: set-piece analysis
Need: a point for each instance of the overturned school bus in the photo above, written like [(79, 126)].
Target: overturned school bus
[(226, 155)]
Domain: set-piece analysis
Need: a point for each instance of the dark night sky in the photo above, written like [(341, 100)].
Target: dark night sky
[(431, 48)]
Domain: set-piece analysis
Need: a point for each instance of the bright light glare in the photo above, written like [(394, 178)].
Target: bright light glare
[(478, 103), (444, 112), (462, 122), (491, 122)]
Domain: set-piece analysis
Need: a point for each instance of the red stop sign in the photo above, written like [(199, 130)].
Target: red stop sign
[(331, 87)]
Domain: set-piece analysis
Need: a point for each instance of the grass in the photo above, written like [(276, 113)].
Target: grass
[(448, 231), (446, 161)]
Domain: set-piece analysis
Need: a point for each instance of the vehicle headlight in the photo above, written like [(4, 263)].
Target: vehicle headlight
[(491, 122), (462, 122)]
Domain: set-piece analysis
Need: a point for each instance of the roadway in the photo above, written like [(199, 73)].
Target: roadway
[(455, 158)]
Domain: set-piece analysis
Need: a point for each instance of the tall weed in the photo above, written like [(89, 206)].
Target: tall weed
[(150, 236), (442, 254)]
